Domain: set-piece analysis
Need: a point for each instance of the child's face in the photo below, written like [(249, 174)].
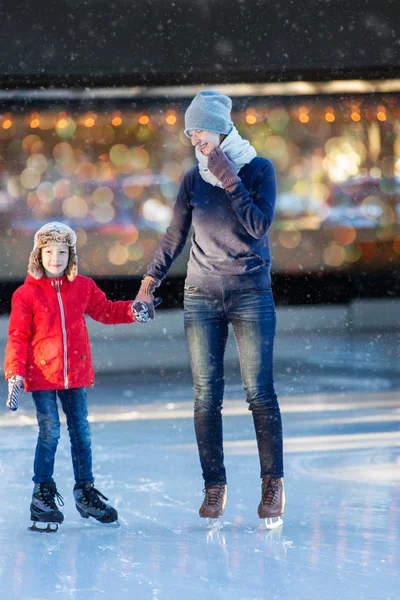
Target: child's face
[(55, 259)]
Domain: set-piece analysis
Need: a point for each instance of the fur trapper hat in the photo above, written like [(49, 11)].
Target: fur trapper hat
[(53, 233)]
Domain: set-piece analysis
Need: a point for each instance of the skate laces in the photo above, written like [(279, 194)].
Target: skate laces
[(214, 494), (49, 494), (92, 496), (270, 489)]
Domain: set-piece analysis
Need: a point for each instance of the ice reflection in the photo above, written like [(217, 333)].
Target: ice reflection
[(340, 537)]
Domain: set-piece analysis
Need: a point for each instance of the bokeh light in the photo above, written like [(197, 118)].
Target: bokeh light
[(170, 119), (45, 192), (103, 195), (104, 212), (65, 127), (38, 162), (334, 255), (290, 239), (30, 178), (139, 158), (75, 207), (131, 188), (345, 235), (155, 210), (118, 254), (330, 114), (278, 119), (32, 144)]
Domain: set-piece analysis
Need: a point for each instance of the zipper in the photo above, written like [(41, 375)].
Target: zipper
[(64, 332)]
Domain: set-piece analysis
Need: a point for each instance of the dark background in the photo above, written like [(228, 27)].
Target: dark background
[(98, 42)]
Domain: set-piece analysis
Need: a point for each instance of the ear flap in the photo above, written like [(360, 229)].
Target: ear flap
[(35, 267), (72, 268)]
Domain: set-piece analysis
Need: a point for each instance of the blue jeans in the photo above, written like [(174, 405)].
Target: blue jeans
[(74, 405), (252, 315)]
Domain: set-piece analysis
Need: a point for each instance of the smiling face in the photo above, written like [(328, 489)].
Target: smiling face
[(55, 259), (205, 141)]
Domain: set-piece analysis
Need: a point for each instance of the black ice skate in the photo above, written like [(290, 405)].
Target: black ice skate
[(89, 504), (45, 515)]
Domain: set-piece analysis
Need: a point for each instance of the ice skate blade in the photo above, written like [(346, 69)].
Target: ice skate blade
[(214, 523), (273, 523), (43, 527), (93, 522)]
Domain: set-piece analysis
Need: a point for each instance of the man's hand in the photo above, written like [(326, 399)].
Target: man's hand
[(15, 386), (223, 168)]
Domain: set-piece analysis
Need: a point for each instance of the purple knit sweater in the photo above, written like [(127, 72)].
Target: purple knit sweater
[(230, 248)]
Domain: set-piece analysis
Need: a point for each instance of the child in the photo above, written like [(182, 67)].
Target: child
[(48, 354)]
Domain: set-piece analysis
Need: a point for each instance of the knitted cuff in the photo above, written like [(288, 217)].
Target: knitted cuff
[(230, 181)]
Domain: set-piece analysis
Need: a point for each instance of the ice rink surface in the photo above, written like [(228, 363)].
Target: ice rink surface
[(340, 539)]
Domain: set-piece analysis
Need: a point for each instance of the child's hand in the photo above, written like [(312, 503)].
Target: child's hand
[(141, 310), (15, 386), (146, 294)]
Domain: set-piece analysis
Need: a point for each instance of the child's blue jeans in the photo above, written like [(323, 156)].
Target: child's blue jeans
[(74, 405)]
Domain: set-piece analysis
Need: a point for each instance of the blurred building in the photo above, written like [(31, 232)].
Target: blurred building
[(91, 117)]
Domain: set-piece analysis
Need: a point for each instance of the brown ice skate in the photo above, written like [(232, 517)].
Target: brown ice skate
[(272, 505), (214, 503)]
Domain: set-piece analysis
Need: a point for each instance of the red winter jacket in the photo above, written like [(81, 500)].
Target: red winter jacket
[(48, 342)]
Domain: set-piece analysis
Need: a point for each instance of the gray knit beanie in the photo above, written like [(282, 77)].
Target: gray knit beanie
[(209, 111)]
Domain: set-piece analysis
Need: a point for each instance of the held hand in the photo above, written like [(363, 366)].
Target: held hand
[(223, 168), (146, 294), (141, 310), (15, 386)]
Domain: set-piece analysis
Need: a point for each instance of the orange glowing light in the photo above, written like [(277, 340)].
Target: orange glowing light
[(144, 120), (330, 117), (251, 119), (62, 123), (89, 122), (116, 121), (34, 123), (304, 118), (345, 235), (7, 124), (170, 119), (381, 116), (396, 245), (355, 116)]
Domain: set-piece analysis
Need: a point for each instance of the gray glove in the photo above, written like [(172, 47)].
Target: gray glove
[(15, 386), (141, 310)]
